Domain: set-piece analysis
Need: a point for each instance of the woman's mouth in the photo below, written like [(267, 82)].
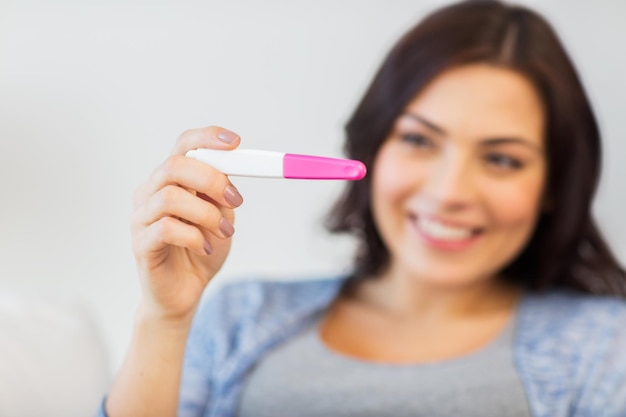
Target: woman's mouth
[(445, 236)]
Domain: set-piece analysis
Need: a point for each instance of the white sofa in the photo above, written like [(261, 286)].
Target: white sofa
[(53, 361)]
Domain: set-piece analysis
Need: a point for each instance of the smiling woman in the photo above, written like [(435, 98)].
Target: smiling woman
[(459, 203), (481, 286), (527, 82)]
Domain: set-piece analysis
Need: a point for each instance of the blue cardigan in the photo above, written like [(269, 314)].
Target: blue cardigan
[(569, 349)]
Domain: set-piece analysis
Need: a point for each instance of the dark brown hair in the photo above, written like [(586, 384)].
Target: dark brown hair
[(566, 248)]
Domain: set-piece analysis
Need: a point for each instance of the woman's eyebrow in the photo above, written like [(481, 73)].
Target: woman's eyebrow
[(501, 141), (425, 122), (486, 142)]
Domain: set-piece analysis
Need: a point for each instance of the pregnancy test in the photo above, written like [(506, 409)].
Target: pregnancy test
[(268, 164)]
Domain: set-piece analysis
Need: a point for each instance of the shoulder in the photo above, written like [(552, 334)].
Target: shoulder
[(280, 291), (560, 311), (582, 323), (262, 302), (257, 295), (244, 317)]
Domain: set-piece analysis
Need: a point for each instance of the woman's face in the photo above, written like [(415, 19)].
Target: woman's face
[(458, 184)]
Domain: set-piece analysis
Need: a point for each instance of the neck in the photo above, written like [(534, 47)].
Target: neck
[(407, 296)]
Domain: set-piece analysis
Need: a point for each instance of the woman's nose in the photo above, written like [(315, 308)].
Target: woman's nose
[(449, 183)]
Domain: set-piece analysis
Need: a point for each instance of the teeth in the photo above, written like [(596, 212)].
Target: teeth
[(442, 232)]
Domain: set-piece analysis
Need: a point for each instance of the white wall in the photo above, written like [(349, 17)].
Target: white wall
[(93, 95)]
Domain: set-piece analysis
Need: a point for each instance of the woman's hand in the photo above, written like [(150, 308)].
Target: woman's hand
[(181, 226)]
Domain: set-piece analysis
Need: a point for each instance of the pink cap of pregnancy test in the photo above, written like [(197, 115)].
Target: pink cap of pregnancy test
[(322, 168)]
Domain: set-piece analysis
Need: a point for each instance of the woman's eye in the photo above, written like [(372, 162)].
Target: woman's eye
[(503, 162), (417, 140)]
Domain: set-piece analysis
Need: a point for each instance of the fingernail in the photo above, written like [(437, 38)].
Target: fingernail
[(226, 228), (232, 196), (227, 136), (207, 247)]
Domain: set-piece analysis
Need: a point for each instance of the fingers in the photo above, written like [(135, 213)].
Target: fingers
[(193, 175), (207, 137), (226, 212), (169, 231), (185, 201), (173, 201)]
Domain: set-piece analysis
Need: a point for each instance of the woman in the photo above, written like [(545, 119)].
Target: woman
[(472, 287)]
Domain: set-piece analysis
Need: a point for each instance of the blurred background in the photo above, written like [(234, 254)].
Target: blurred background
[(94, 94)]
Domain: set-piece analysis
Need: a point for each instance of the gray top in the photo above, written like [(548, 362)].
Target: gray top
[(568, 347), (303, 377)]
